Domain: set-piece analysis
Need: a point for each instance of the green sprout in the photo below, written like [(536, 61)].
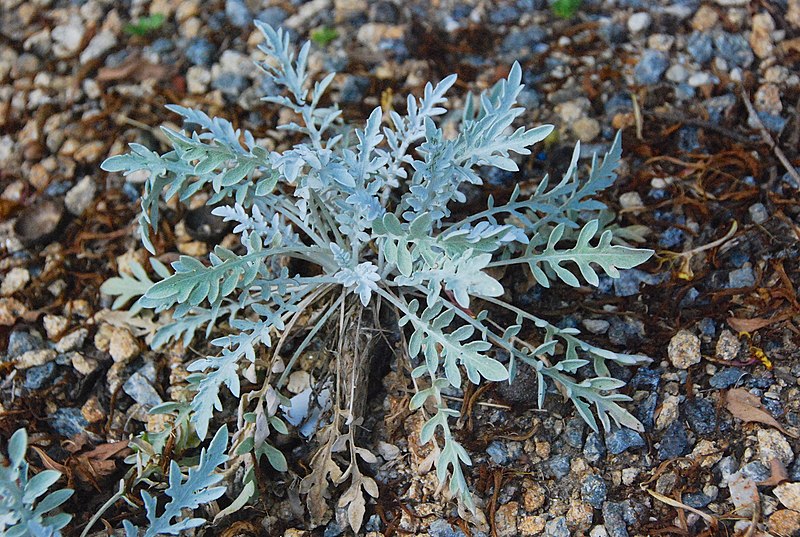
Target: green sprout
[(145, 25), (323, 36), (566, 9)]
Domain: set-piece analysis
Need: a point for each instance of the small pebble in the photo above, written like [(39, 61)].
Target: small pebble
[(80, 197), (623, 439), (727, 378), (593, 491), (639, 22), (650, 67), (68, 422), (37, 377), (684, 350), (742, 277), (728, 345), (35, 358), (773, 445), (15, 280), (758, 213)]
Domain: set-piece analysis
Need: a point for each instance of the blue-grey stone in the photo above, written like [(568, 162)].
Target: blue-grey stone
[(650, 67), (624, 331), (593, 490), (618, 103), (238, 13), (646, 379), (523, 40), (707, 327), (394, 47), (68, 422), (614, 519), (141, 391), (557, 466), (772, 122), (230, 84), (734, 49), (200, 52), (742, 277), (756, 471), (162, 45), (727, 378), (684, 92), (700, 46), (719, 106), (738, 257), (557, 528), (20, 342), (593, 448), (498, 453), (623, 439), (529, 98), (688, 139), (353, 89), (503, 15), (701, 416), (613, 33), (794, 471), (646, 410), (273, 15), (674, 442), (333, 529), (698, 500), (672, 237), (373, 523), (384, 12), (573, 432), (441, 528), (628, 282), (37, 377)]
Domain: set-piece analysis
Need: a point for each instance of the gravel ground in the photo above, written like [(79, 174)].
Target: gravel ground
[(707, 181)]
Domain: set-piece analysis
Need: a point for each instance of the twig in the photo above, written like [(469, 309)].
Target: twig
[(680, 118), (637, 116), (768, 139)]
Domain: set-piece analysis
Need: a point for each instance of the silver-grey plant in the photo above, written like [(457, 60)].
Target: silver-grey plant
[(372, 213), (23, 511)]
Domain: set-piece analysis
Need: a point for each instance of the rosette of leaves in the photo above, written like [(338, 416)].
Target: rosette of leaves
[(370, 211)]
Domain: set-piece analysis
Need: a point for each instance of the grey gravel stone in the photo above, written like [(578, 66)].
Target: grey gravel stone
[(756, 471), (37, 377), (623, 439), (700, 46), (141, 391), (650, 67), (498, 453), (593, 448), (734, 49), (613, 519), (273, 15), (558, 466), (758, 213), (238, 13), (557, 528), (742, 277), (68, 422), (674, 443), (80, 197), (353, 89), (20, 342), (727, 378), (441, 528), (698, 500), (200, 52), (701, 416), (573, 432), (593, 490)]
